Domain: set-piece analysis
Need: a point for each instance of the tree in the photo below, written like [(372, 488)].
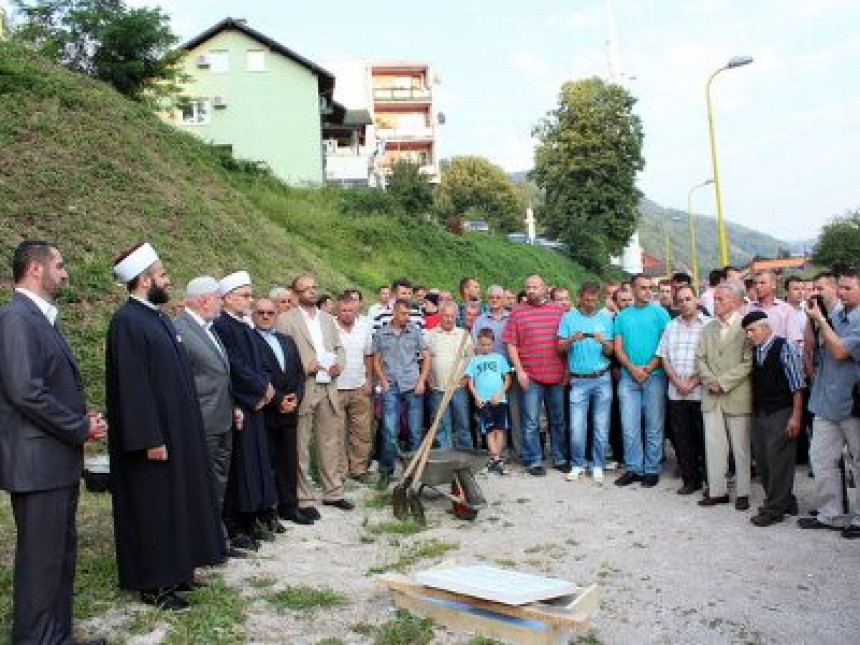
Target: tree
[(589, 151), (476, 184), (410, 187), (129, 48), (839, 241)]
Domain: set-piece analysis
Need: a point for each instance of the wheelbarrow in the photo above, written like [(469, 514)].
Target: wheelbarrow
[(449, 473)]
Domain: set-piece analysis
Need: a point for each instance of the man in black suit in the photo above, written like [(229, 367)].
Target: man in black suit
[(281, 360), (44, 424)]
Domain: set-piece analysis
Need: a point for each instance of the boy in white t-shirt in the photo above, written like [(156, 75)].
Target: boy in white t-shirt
[(489, 378)]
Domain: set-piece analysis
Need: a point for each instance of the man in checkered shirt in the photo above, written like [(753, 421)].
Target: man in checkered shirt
[(678, 351)]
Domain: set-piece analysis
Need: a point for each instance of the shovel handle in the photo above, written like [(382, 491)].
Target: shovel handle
[(453, 379), (450, 385)]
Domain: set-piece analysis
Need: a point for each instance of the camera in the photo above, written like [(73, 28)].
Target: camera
[(818, 299)]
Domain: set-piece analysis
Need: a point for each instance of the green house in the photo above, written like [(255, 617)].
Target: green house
[(260, 100)]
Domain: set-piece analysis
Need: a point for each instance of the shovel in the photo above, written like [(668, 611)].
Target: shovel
[(404, 496)]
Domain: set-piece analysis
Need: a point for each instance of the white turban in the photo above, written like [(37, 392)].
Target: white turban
[(202, 286), (233, 281), (135, 263)]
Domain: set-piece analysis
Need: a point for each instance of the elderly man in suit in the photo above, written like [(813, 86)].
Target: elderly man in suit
[(320, 413), (44, 424), (724, 362), (281, 360), (211, 370)]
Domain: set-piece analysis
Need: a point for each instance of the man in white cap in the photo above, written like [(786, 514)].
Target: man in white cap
[(211, 376), (251, 493), (166, 519)]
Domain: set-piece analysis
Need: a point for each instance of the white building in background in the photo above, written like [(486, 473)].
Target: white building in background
[(398, 97)]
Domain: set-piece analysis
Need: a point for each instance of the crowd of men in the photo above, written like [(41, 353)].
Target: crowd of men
[(213, 414)]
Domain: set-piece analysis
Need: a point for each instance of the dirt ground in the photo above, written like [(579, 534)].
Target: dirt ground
[(669, 571)]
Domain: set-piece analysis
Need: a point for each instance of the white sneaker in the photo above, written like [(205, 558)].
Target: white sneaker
[(611, 465), (597, 475), (574, 474)]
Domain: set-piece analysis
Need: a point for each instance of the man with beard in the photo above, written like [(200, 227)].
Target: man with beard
[(43, 427), (166, 520), (251, 493)]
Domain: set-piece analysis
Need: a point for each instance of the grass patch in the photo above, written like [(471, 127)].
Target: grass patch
[(262, 582), (405, 629), (395, 527), (589, 638), (483, 640), (217, 616), (378, 499), (305, 598), (507, 563), (412, 554)]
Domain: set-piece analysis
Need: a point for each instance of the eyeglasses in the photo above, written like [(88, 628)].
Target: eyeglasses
[(265, 313)]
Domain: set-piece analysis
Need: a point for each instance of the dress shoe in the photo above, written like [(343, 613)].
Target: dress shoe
[(342, 504), (815, 523), (792, 508), (244, 542), (275, 526), (713, 501), (742, 503), (766, 519), (628, 478), (649, 481), (562, 467), (189, 586), (851, 532), (296, 516), (688, 489), (166, 600), (236, 554), (262, 533), (310, 512), (537, 471)]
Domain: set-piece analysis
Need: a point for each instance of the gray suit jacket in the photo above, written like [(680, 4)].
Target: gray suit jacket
[(293, 325), (43, 414), (727, 362), (211, 374)]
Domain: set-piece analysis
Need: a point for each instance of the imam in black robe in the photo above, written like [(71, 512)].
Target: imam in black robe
[(251, 483), (166, 520)]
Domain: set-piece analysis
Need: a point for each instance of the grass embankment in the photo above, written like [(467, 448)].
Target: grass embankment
[(82, 166)]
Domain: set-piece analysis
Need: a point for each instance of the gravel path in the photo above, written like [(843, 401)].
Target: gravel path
[(670, 571)]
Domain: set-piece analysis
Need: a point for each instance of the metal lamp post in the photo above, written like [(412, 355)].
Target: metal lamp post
[(693, 251), (736, 61)]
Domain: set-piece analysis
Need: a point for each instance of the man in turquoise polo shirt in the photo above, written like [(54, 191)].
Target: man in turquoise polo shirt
[(585, 335), (642, 390)]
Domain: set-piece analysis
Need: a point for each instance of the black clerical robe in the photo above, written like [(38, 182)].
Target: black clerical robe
[(166, 519), (251, 483)]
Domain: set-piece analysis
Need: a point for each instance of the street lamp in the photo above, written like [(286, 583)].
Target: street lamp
[(693, 260), (736, 61)]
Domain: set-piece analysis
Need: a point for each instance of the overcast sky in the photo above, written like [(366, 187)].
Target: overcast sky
[(787, 125)]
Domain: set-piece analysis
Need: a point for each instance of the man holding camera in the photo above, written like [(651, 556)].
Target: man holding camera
[(836, 375)]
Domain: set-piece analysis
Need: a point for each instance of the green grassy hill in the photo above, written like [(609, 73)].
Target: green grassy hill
[(84, 167), (744, 243)]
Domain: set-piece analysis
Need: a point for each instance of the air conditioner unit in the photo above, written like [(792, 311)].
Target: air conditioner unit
[(203, 61), (219, 101)]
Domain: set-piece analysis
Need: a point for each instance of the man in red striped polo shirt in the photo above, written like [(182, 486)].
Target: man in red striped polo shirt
[(530, 336)]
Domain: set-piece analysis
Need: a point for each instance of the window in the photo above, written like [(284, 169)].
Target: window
[(256, 60), (219, 61), (196, 112)]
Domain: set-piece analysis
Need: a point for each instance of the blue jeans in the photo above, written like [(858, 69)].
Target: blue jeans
[(456, 415), (643, 409), (552, 394), (393, 401), (594, 394)]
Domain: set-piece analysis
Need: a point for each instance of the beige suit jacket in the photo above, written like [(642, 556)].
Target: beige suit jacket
[(292, 323), (727, 362)]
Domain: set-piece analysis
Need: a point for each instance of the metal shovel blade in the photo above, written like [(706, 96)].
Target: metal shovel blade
[(400, 499), (416, 507)]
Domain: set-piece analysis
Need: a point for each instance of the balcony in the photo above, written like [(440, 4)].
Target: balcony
[(401, 94), (345, 167), (405, 134)]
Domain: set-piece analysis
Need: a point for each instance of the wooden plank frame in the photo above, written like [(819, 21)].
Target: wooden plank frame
[(549, 622)]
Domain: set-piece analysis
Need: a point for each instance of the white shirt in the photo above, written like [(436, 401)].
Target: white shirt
[(443, 346), (357, 344), (44, 306), (315, 330), (207, 327)]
